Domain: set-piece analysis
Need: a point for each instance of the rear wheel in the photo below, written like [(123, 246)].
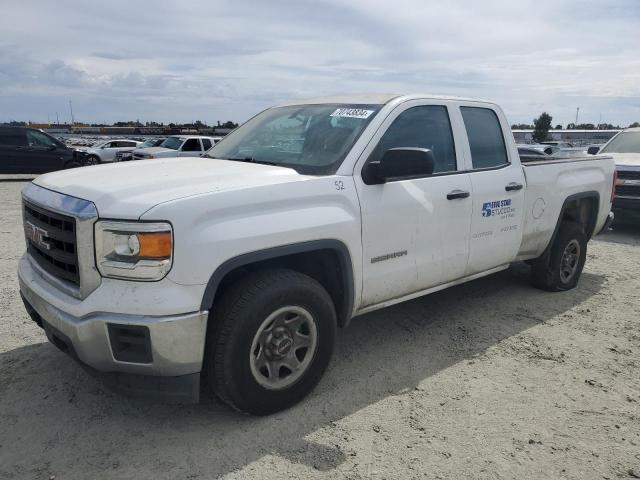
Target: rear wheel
[(561, 268), (270, 340)]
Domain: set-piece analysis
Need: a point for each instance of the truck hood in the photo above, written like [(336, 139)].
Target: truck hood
[(155, 150), (127, 190), (632, 159)]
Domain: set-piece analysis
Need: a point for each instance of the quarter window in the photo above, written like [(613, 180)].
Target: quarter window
[(485, 137), (422, 127), (206, 143)]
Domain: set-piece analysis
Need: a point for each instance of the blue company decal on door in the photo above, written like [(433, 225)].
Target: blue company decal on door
[(499, 207)]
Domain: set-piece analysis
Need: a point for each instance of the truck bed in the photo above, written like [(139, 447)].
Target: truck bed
[(549, 184)]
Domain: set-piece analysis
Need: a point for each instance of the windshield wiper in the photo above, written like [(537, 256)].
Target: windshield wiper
[(251, 160)]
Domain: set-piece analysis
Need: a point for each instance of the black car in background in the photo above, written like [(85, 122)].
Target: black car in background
[(28, 150)]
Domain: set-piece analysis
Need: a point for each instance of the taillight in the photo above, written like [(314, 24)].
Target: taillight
[(613, 185)]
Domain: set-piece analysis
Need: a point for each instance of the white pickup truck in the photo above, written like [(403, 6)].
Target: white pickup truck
[(239, 267)]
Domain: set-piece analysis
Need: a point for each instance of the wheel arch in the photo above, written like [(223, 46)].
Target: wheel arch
[(580, 207), (304, 257)]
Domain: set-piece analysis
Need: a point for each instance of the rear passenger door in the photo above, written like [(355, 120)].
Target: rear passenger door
[(13, 143), (415, 231), (497, 188)]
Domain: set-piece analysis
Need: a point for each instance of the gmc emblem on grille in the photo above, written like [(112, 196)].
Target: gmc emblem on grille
[(37, 235)]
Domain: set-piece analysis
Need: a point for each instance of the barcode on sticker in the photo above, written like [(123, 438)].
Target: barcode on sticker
[(352, 113)]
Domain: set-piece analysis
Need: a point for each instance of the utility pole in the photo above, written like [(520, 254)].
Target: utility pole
[(577, 111), (71, 110), (57, 120)]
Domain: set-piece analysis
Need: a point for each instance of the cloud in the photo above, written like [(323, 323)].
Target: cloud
[(123, 60)]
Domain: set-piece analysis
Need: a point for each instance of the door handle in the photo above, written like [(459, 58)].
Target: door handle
[(457, 194), (513, 186)]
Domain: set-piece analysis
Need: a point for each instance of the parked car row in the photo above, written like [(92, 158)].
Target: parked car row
[(29, 150)]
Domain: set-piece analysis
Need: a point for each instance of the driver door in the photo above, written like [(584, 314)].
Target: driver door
[(415, 232), (42, 154)]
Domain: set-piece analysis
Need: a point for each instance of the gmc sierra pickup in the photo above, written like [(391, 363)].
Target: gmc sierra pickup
[(238, 267)]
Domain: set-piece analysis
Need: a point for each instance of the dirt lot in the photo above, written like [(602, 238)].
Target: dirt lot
[(492, 379)]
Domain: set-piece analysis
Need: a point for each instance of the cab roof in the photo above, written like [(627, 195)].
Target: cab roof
[(374, 99)]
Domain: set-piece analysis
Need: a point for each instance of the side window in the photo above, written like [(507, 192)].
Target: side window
[(191, 145), (13, 137), (485, 137), (39, 139), (422, 127), (206, 143)]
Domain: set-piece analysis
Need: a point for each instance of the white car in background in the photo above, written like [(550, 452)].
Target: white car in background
[(177, 146), (105, 152)]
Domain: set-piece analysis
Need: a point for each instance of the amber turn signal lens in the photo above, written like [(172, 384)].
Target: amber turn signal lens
[(155, 245)]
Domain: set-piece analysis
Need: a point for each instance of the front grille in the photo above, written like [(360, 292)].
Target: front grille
[(628, 191), (51, 242)]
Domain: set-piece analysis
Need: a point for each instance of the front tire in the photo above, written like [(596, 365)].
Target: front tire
[(561, 269), (93, 160), (270, 341), (73, 164)]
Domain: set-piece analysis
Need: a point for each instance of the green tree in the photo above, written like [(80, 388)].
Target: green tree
[(541, 127), (634, 125)]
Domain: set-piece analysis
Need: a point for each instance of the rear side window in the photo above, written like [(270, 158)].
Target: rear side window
[(191, 145), (13, 136), (485, 137), (206, 143), (422, 127)]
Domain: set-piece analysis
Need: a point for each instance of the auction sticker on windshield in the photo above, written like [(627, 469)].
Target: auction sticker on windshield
[(352, 113)]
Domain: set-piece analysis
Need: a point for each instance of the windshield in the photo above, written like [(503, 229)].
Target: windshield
[(312, 139), (625, 142), (172, 142)]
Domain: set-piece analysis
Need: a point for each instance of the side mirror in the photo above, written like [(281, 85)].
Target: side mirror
[(400, 163), (593, 150)]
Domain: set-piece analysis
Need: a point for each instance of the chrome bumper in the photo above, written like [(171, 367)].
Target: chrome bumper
[(176, 341)]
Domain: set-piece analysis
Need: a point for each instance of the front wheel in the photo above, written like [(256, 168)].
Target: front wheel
[(561, 268), (270, 341)]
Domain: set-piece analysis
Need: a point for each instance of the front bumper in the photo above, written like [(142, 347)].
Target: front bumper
[(175, 342)]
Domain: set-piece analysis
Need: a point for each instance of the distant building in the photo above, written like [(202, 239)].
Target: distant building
[(577, 137)]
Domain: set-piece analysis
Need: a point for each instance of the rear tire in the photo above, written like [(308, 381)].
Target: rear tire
[(270, 340), (561, 268)]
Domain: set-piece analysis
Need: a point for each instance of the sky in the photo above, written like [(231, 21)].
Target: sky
[(216, 61)]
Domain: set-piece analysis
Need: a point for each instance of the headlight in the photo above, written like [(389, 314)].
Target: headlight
[(134, 250)]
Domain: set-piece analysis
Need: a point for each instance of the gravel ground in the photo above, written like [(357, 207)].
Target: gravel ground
[(491, 379)]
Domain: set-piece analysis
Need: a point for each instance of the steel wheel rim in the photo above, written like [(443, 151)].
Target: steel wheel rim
[(283, 347), (570, 260)]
